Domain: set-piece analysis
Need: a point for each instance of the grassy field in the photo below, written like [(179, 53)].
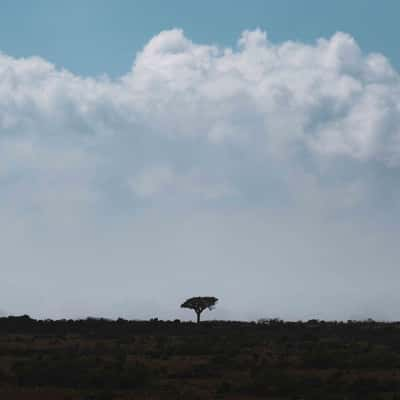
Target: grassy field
[(102, 360)]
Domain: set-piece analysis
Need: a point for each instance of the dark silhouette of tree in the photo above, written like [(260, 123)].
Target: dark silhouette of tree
[(199, 304)]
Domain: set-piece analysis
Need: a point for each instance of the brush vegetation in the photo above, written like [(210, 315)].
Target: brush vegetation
[(99, 359)]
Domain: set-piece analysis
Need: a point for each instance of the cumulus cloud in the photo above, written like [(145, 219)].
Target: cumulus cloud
[(328, 96), (259, 101), (310, 130)]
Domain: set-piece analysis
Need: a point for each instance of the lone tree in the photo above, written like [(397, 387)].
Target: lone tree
[(199, 304)]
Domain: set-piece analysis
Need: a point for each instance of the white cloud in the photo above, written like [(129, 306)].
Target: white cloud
[(204, 123), (260, 102), (260, 141), (328, 97)]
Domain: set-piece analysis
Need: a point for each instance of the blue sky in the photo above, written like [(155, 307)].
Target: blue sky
[(95, 37), (152, 151)]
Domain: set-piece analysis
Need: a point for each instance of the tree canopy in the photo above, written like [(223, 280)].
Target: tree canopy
[(199, 304)]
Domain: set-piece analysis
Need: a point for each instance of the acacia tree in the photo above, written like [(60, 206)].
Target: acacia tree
[(199, 304)]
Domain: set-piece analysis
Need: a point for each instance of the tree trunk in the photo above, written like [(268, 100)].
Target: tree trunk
[(198, 316)]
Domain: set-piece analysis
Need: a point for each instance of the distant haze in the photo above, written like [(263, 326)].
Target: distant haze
[(266, 175)]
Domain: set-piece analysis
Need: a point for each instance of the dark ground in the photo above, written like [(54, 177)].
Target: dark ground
[(102, 360)]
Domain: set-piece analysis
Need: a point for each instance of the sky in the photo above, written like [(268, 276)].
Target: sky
[(150, 152)]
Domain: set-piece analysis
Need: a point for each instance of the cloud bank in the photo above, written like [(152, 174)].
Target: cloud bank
[(326, 98), (193, 141)]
